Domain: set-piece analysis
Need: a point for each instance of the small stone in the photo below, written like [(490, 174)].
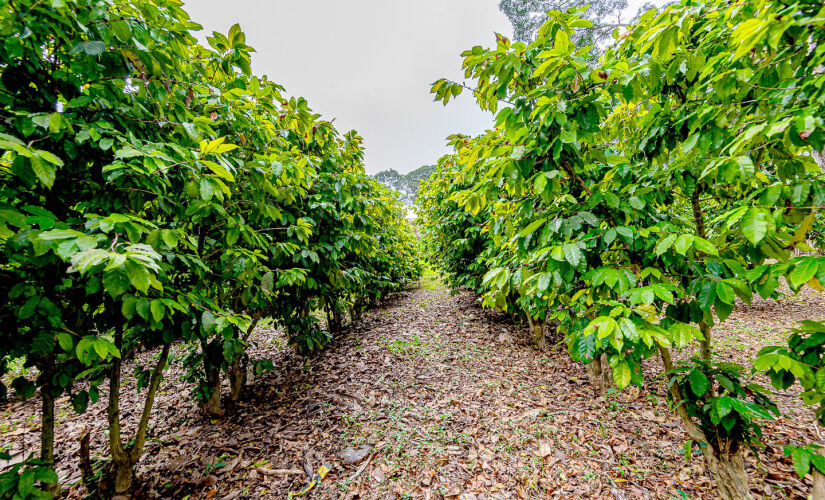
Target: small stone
[(355, 455)]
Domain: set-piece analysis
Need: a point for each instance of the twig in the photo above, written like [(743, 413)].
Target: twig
[(361, 469), (278, 472)]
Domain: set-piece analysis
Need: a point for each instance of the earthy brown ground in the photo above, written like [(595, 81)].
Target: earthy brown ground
[(448, 401)]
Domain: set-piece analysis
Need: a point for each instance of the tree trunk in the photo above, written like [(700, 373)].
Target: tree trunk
[(536, 332), (336, 317), (85, 464), (212, 406), (115, 470), (121, 470), (699, 220), (238, 368), (122, 476), (237, 378), (47, 424), (329, 318), (819, 484), (728, 470), (704, 345), (212, 361), (599, 375)]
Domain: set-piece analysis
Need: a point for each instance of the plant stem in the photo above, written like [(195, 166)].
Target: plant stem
[(699, 220)]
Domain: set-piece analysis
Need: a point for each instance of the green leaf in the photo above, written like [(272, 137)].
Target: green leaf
[(705, 246), (138, 276), (707, 294), (755, 224), (208, 321), (268, 282), (725, 293), (29, 308), (45, 172), (158, 310), (219, 170), (683, 242), (585, 347), (83, 349), (820, 379), (665, 244), (801, 461), (66, 342), (622, 374), (637, 203), (55, 123), (699, 382), (804, 271), (101, 348), (572, 254), (92, 48), (629, 330), (115, 282), (530, 229), (724, 405), (49, 157)]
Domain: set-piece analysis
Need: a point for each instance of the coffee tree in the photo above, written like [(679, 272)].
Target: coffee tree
[(155, 191), (632, 203)]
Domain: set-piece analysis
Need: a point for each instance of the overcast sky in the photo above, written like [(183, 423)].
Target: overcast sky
[(369, 64)]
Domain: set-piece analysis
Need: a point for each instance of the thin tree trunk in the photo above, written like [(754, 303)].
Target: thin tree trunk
[(237, 379), (47, 423), (328, 313), (599, 375), (237, 370), (606, 380), (121, 471), (693, 432), (536, 332), (121, 482), (85, 464), (336, 317), (819, 485), (143, 426), (699, 220), (212, 406)]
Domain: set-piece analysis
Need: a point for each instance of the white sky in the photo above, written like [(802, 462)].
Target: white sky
[(369, 64)]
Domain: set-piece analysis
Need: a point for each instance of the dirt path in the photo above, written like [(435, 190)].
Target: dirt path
[(442, 400)]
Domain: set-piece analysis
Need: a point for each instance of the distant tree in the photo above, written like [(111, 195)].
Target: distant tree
[(528, 15)]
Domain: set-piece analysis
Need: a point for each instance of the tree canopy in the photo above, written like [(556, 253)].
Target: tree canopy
[(631, 202), (156, 192)]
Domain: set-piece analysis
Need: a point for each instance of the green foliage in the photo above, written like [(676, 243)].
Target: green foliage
[(154, 190), (714, 394), (805, 458), (802, 360), (21, 481), (633, 200), (454, 239)]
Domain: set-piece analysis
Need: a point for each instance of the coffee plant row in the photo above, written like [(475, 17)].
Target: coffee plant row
[(153, 191), (631, 201)]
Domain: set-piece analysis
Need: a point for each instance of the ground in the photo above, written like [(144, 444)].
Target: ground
[(438, 399)]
